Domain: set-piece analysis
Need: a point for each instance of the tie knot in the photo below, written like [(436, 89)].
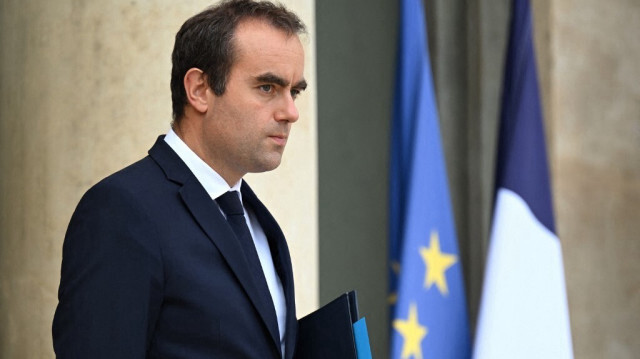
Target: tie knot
[(230, 203)]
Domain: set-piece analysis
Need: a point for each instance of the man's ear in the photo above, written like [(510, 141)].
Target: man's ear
[(195, 85)]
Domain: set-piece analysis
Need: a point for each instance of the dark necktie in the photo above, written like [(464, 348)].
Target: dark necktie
[(232, 208)]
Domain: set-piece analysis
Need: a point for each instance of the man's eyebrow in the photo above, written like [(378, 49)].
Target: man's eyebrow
[(275, 79), (272, 79), (302, 85)]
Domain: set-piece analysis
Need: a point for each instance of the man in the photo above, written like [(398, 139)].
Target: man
[(161, 259)]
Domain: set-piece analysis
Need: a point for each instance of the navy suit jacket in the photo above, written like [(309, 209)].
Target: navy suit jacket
[(151, 269)]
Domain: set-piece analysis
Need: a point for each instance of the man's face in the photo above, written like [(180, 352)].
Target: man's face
[(246, 129)]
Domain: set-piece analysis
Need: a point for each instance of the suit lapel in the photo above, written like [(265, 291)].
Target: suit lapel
[(281, 260), (208, 216)]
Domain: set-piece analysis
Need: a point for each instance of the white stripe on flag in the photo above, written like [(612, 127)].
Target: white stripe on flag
[(524, 311)]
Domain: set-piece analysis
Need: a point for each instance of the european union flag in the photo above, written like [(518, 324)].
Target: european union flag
[(429, 316)]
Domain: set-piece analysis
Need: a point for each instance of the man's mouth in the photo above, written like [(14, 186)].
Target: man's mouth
[(281, 140)]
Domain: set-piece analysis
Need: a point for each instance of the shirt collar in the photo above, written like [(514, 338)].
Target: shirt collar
[(212, 182)]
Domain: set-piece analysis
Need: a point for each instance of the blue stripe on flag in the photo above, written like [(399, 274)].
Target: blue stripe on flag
[(522, 156)]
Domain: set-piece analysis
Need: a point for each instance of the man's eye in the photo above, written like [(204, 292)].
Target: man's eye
[(266, 88), (295, 93)]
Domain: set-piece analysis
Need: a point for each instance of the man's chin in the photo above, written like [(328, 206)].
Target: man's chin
[(267, 165)]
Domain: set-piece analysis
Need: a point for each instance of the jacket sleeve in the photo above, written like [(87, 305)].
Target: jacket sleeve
[(111, 279)]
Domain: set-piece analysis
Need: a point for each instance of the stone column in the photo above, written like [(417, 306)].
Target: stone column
[(588, 56), (84, 91)]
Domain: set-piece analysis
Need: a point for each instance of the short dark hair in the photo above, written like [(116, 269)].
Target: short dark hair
[(205, 42)]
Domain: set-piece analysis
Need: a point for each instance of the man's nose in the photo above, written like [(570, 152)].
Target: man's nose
[(287, 111)]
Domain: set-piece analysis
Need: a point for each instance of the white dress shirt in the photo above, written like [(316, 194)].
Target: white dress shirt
[(216, 186)]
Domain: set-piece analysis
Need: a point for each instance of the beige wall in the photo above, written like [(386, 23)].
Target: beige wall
[(84, 90), (589, 57)]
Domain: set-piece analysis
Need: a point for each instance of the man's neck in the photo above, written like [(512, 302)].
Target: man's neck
[(186, 133)]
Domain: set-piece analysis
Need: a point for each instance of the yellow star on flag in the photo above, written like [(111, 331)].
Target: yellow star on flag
[(393, 297), (412, 332), (436, 264)]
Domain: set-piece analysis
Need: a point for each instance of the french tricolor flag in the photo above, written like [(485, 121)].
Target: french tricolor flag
[(523, 310)]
